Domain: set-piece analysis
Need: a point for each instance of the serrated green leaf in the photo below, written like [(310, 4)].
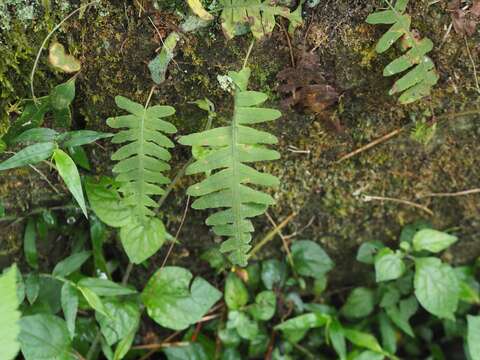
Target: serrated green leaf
[(30, 155), (124, 318), (389, 265), (243, 324), (264, 307), (231, 148), (9, 326), (310, 259), (69, 173), (432, 240), (436, 287), (360, 303), (366, 252), (174, 301), (400, 314)]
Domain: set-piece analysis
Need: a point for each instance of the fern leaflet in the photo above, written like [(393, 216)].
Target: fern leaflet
[(141, 162), (419, 81), (231, 148)]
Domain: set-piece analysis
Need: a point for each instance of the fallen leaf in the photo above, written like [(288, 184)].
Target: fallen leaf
[(198, 10), (62, 61)]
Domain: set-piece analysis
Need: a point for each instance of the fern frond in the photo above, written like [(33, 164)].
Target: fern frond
[(422, 76), (141, 162), (231, 148), (258, 15)]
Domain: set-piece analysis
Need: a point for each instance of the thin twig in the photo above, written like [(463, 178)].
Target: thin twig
[(37, 59), (446, 194), (160, 345), (271, 235), (477, 85), (178, 232), (248, 53), (367, 198), (284, 240), (44, 177), (292, 58)]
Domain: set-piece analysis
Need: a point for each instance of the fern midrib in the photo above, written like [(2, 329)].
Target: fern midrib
[(235, 173), (141, 176)]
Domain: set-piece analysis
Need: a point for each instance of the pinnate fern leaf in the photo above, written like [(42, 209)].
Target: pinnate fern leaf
[(422, 76), (141, 161), (231, 149), (258, 15)]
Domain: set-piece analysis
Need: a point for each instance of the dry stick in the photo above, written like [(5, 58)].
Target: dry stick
[(37, 59), (271, 235), (458, 193), (477, 85), (248, 53), (284, 239), (178, 232), (399, 130), (292, 59), (367, 198)]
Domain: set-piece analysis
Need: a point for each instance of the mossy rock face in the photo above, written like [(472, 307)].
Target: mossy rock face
[(114, 45)]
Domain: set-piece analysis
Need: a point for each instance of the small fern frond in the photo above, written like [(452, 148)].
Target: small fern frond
[(141, 161), (231, 148), (422, 76)]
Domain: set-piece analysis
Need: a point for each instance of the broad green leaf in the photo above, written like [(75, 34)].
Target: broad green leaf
[(68, 171), (389, 265), (79, 156), (30, 243), (436, 287), (274, 273), (69, 302), (93, 300), (363, 340), (107, 203), (45, 337), (241, 322), (192, 351), (124, 318), (71, 264), (32, 117), (367, 251), (9, 314), (304, 322), (62, 95), (337, 339), (35, 135), (232, 147), (62, 61), (236, 294), (32, 287), (30, 155), (82, 137), (159, 65), (409, 231), (432, 240), (197, 8), (360, 303), (104, 287), (142, 239), (175, 301), (473, 336), (264, 307), (63, 117), (124, 345), (310, 259)]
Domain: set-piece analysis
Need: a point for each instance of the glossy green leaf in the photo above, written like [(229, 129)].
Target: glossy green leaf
[(436, 287), (62, 95), (104, 287), (274, 273), (82, 137), (69, 302), (9, 326), (389, 265), (30, 243), (71, 264), (367, 251), (264, 307), (93, 300), (236, 293), (310, 259), (432, 240), (124, 318), (68, 171), (243, 324), (360, 303), (232, 147), (363, 340), (473, 336), (30, 155), (175, 301), (35, 135), (45, 337)]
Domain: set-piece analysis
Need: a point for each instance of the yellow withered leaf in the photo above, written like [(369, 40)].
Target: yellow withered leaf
[(62, 61), (198, 10)]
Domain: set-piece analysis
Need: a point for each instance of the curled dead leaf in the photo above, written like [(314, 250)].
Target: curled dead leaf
[(62, 61)]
